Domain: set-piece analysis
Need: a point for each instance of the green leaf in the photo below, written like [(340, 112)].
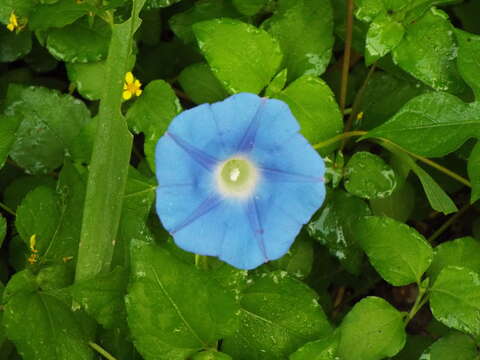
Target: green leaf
[(3, 229), (334, 226), (54, 277), (468, 66), (249, 7), (211, 355), (432, 124), (454, 346), (245, 68), (155, 4), (372, 330), (88, 78), (369, 177), (174, 309), (323, 349), (50, 123), (151, 114), (21, 186), (278, 315), (58, 14), (415, 346), (398, 206), (14, 45), (199, 83), (311, 21), (8, 127), (459, 252), (80, 41), (298, 260), (40, 325), (277, 84), (428, 52), (181, 24), (108, 169), (398, 252), (102, 297), (384, 34), (473, 172), (455, 299), (313, 105)]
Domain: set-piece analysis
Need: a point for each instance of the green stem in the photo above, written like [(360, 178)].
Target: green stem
[(346, 55), (101, 351), (448, 223), (421, 300), (338, 138), (7, 209)]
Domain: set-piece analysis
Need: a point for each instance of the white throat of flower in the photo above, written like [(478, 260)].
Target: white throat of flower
[(236, 177)]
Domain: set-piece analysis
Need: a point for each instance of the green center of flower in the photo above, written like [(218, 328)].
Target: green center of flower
[(236, 177)]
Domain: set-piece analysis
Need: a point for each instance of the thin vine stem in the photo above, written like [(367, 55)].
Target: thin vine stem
[(7, 209), (448, 223), (101, 351), (338, 138), (346, 55)]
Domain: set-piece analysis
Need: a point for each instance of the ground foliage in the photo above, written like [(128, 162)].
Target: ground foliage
[(386, 90)]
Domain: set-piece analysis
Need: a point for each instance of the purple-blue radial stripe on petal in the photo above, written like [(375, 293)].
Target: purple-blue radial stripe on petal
[(247, 231)]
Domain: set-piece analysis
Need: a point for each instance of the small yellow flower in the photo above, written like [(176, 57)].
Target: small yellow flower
[(34, 255), (131, 87), (360, 116), (13, 22)]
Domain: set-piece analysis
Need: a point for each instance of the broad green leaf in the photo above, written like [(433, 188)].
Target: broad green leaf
[(311, 21), (211, 355), (454, 346), (455, 299), (174, 309), (14, 45), (323, 349), (428, 52), (80, 41), (278, 315), (398, 205), (58, 14), (313, 105), (369, 177), (468, 53), (473, 172), (40, 325), (368, 10), (334, 228), (3, 229), (415, 346), (277, 84), (181, 24), (102, 297), (151, 114), (154, 4), (298, 260), (249, 7), (88, 78), (432, 124), (244, 65), (383, 35), (397, 251), (108, 169), (8, 127), (54, 277), (21, 186), (199, 83), (459, 252), (50, 123), (372, 330), (38, 215)]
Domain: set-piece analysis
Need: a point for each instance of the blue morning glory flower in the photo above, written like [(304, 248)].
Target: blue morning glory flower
[(237, 180)]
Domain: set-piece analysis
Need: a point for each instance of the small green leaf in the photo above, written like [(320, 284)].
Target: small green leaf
[(54, 277), (383, 35), (3, 229), (211, 355), (398, 252), (278, 315), (14, 45), (249, 7), (50, 123), (468, 53), (311, 21), (58, 14), (155, 4), (277, 84), (313, 105), (369, 177), (88, 78), (80, 41), (459, 252), (174, 309), (40, 325), (455, 299), (428, 52), (372, 330), (298, 260), (454, 346), (334, 228), (323, 349), (151, 114), (21, 186), (102, 297), (398, 205), (8, 127), (473, 172), (245, 68), (201, 85), (432, 124)]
